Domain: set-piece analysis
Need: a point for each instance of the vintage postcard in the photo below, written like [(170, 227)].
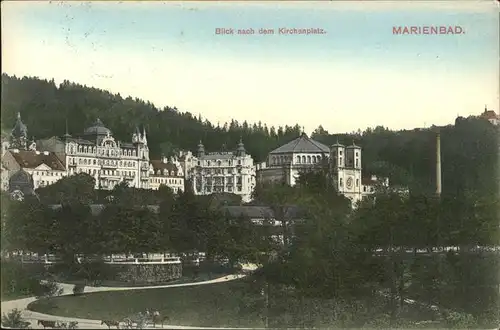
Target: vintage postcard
[(305, 164)]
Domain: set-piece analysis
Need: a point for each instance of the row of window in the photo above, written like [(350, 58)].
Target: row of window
[(165, 181), (49, 173), (102, 152), (229, 162), (208, 189), (106, 172), (220, 171), (349, 162), (90, 161), (279, 160), (165, 172)]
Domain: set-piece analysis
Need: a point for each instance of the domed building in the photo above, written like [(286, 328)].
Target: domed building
[(96, 152), (286, 163)]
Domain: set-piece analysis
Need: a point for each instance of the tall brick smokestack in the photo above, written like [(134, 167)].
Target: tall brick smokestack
[(438, 163)]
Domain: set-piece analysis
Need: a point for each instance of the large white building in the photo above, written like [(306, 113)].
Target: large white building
[(95, 152), (223, 172), (285, 164)]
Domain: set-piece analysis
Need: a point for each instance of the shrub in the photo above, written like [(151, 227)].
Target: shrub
[(18, 280), (78, 289), (14, 320), (458, 320), (47, 289)]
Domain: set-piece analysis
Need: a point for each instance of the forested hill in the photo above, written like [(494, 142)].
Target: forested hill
[(469, 148)]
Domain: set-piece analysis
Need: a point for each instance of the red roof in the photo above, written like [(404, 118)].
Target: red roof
[(33, 159), (489, 114)]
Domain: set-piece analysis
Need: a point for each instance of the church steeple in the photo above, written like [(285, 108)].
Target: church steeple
[(144, 138), (19, 134), (241, 148), (201, 149)]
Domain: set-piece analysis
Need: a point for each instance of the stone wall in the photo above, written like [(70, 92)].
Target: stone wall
[(146, 273)]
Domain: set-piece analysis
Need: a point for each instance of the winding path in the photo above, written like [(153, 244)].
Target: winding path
[(32, 317)]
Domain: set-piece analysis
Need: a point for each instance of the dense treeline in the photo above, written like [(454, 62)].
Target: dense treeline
[(182, 223), (469, 148), (362, 258)]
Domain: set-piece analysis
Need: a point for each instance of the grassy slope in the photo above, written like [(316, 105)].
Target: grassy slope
[(209, 305), (232, 304)]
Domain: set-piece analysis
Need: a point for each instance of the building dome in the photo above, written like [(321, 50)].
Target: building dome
[(97, 128)]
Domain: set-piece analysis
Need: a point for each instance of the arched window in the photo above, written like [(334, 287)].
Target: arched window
[(303, 159), (308, 159), (298, 159), (94, 162), (314, 159)]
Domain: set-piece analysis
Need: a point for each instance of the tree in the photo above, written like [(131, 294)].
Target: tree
[(78, 188)]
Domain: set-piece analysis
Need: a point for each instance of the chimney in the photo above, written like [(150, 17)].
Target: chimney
[(438, 164)]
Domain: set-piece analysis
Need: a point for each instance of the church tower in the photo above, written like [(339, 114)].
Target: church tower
[(240, 152), (337, 165), (19, 134)]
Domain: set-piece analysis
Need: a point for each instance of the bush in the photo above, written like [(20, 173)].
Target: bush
[(48, 289), (78, 289), (20, 280), (14, 320)]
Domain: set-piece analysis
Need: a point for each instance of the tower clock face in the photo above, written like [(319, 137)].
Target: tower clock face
[(348, 183)]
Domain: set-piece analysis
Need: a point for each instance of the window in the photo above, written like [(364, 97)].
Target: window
[(364, 189), (298, 159), (340, 183), (357, 182), (303, 159), (340, 161), (94, 162), (357, 163), (340, 152)]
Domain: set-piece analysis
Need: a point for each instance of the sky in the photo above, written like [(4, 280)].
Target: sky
[(356, 75)]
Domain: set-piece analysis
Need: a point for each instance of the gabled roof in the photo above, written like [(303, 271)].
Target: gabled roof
[(32, 159), (302, 144), (159, 165)]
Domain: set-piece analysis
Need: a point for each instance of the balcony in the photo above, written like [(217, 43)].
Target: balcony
[(109, 165)]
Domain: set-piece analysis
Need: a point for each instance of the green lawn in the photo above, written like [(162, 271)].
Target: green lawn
[(209, 305), (236, 303)]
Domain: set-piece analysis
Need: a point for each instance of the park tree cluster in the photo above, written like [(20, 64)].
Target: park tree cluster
[(130, 221)]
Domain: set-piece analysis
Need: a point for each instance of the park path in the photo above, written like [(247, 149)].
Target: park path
[(33, 317)]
